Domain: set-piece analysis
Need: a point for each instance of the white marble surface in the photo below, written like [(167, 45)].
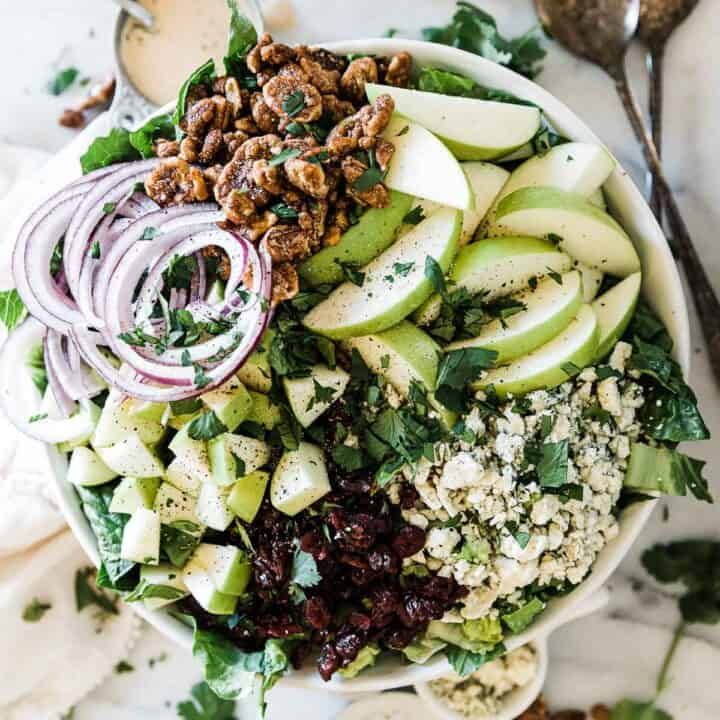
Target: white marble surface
[(38, 37)]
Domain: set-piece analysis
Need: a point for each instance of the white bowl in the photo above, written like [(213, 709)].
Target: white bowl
[(661, 287)]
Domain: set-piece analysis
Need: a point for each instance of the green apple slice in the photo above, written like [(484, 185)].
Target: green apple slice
[(184, 476), (201, 587), (173, 505), (299, 480), (131, 457), (498, 266), (372, 234), (575, 167), (255, 371), (551, 364), (311, 396), (228, 567), (263, 411), (395, 283), (614, 310), (232, 454), (230, 402), (402, 355), (141, 538), (598, 199), (549, 309), (160, 585), (117, 420), (422, 166), (86, 468), (587, 233), (133, 493), (473, 129), (591, 281), (247, 495), (212, 508)]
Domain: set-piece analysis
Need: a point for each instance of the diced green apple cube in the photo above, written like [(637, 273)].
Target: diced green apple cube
[(212, 508), (255, 372), (234, 455), (302, 392), (228, 567), (163, 583), (201, 587), (133, 493), (87, 468), (230, 402), (263, 411), (180, 474), (299, 480), (145, 410), (116, 422), (141, 537), (131, 457), (247, 495), (173, 505)]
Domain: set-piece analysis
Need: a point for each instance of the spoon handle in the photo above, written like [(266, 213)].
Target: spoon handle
[(706, 300), (655, 66)]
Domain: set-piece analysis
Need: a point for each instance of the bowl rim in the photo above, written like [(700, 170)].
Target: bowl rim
[(389, 673)]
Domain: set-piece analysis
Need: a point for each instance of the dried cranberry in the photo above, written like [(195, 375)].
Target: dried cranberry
[(400, 637), (382, 560), (314, 543), (328, 661), (348, 645), (353, 560), (359, 620), (353, 531), (408, 496), (408, 541), (416, 610), (317, 613)]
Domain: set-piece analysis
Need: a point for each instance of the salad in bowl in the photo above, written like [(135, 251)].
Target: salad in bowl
[(345, 366)]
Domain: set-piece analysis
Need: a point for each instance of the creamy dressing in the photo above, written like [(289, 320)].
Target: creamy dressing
[(185, 34)]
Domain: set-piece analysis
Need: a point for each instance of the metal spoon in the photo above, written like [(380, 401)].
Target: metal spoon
[(600, 31), (658, 20)]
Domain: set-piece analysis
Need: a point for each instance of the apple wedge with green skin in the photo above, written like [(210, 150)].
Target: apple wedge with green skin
[(551, 364), (302, 392), (402, 355), (372, 234), (614, 310), (549, 309), (423, 167), (498, 266), (585, 232), (473, 129), (395, 283), (591, 280)]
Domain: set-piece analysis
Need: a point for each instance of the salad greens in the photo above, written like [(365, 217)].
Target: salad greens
[(204, 704), (476, 31), (241, 39), (12, 310), (63, 80), (87, 593), (465, 662)]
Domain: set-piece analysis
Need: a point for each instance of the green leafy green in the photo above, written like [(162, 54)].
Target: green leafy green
[(203, 75), (87, 593), (107, 527), (283, 155), (351, 272), (634, 710), (465, 662), (457, 369), (12, 310), (204, 704), (109, 149), (517, 620), (476, 31), (178, 541), (552, 468), (415, 216), (146, 590), (241, 39), (206, 426), (143, 139), (348, 458), (63, 80), (35, 610)]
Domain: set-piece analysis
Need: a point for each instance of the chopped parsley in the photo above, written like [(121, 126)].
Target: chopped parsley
[(294, 103), (415, 216), (206, 426), (12, 309), (457, 370), (284, 211), (322, 395), (351, 272), (63, 80), (35, 610), (281, 157)]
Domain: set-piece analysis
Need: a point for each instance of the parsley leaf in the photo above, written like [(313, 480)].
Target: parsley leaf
[(370, 177), (87, 593), (435, 274), (351, 272), (204, 704), (321, 395), (282, 156), (348, 458), (284, 211), (143, 139), (12, 310), (35, 610), (552, 469), (294, 103), (107, 150), (206, 426), (457, 370), (63, 80), (415, 216)]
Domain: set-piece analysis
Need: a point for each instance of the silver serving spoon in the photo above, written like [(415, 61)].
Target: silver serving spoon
[(658, 21), (136, 10), (600, 31)]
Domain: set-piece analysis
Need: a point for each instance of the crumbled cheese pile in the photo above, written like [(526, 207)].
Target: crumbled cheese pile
[(480, 694), (496, 528)]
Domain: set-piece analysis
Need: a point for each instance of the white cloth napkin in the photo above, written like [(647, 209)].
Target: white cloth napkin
[(45, 666)]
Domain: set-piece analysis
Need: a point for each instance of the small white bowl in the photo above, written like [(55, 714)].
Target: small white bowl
[(661, 287), (521, 698)]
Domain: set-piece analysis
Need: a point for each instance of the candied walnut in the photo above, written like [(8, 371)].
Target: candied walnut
[(211, 146), (376, 195), (288, 98), (600, 712), (195, 93), (258, 148), (398, 71), (189, 148), (237, 97), (268, 177), (276, 53), (307, 176), (212, 174), (264, 76), (345, 136), (537, 711), (247, 125), (265, 119), (237, 175), (375, 117), (167, 148), (362, 128), (285, 283), (72, 118), (205, 114), (286, 243), (312, 220), (325, 80), (233, 140), (239, 208), (359, 71), (293, 72), (254, 57), (325, 58), (337, 109), (175, 181), (384, 151)]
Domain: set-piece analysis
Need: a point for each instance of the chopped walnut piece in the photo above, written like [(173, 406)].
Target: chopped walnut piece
[(211, 146), (384, 151), (237, 175), (398, 71), (376, 196), (359, 71), (312, 220), (337, 109), (167, 148), (189, 149), (233, 140), (286, 243), (326, 81), (265, 119), (247, 125), (212, 174), (600, 712), (254, 57), (537, 711), (237, 97), (307, 176), (175, 181), (332, 236), (375, 117), (268, 177), (239, 208), (276, 53), (285, 283), (283, 93), (259, 148), (206, 114)]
